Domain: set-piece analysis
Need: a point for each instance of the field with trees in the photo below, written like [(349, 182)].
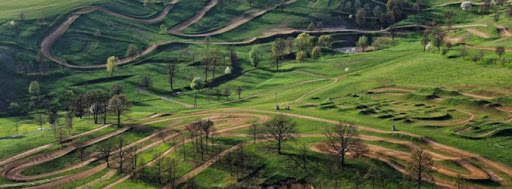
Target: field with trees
[(255, 94)]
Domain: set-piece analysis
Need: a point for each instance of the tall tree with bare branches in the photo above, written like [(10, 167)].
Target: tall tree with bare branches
[(106, 150), (343, 138), (421, 168), (280, 128)]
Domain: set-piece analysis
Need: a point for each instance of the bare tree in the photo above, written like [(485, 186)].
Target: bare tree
[(227, 92), (162, 135), (239, 92), (254, 131), (105, 150), (80, 152), (119, 105), (60, 134), (500, 51), (280, 128), (121, 154), (304, 155), (172, 171), (172, 70), (343, 138), (421, 167), (134, 159), (159, 163), (373, 174)]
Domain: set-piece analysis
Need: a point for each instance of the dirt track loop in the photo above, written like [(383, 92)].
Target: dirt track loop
[(232, 119), (48, 42)]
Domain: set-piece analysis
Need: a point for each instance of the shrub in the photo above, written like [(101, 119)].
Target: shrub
[(315, 53), (301, 56)]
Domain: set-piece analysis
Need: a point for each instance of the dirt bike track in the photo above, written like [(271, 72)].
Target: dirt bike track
[(48, 42), (241, 116), (13, 171)]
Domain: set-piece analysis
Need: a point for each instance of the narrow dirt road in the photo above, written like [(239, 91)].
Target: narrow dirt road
[(235, 23), (479, 33), (176, 29)]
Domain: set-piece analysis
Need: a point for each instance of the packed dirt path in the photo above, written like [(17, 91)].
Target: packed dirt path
[(95, 182), (318, 89), (470, 118), (47, 146), (176, 29), (479, 33), (235, 23), (238, 119), (48, 42), (435, 145), (207, 164)]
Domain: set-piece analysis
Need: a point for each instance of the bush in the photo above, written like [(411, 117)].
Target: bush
[(301, 56), (315, 53), (381, 43), (146, 82), (15, 109)]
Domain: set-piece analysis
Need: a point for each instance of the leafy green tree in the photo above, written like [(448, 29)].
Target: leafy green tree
[(116, 89), (255, 55), (34, 89), (278, 48), (131, 51), (112, 63), (325, 41), (163, 29), (311, 26), (196, 84), (303, 42), (361, 17), (14, 108), (119, 105), (362, 42)]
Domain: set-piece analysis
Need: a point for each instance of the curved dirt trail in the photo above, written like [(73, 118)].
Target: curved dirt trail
[(479, 33), (318, 89), (454, 122), (62, 28), (176, 29), (47, 146), (261, 119), (13, 171), (235, 23), (60, 181), (235, 119), (105, 177), (435, 145)]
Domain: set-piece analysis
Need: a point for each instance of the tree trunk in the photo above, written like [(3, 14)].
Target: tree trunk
[(118, 120), (279, 147)]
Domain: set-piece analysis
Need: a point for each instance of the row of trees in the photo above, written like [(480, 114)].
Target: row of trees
[(437, 38), (96, 103), (306, 46)]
